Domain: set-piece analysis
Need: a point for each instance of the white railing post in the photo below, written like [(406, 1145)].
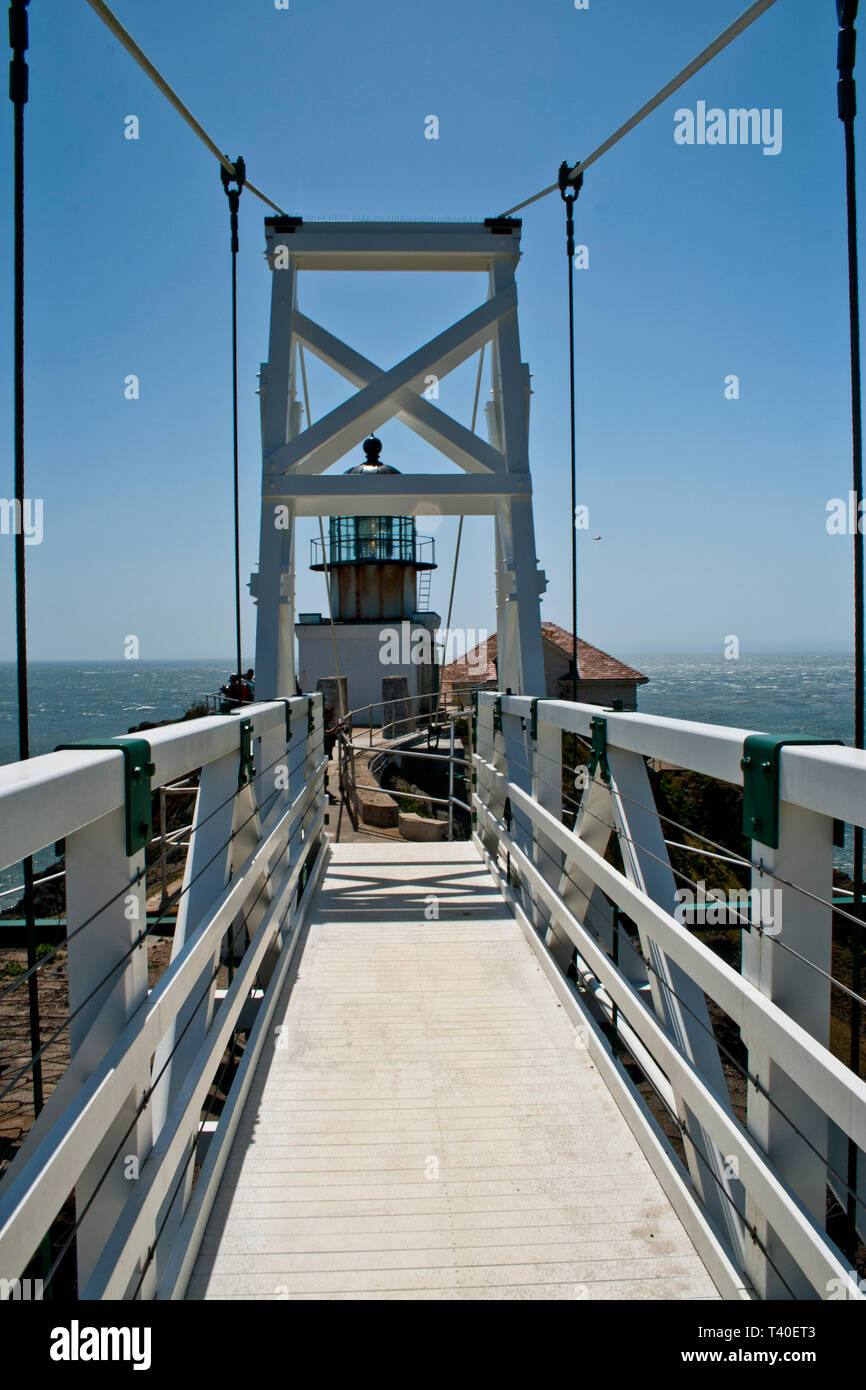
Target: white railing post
[(489, 748), (678, 1001), (98, 869), (206, 873), (792, 923), (547, 791), (223, 807), (314, 754), (517, 759)]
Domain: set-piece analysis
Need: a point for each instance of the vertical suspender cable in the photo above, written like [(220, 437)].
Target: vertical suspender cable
[(569, 192), (460, 528), (342, 709), (847, 97), (234, 197), (18, 91)]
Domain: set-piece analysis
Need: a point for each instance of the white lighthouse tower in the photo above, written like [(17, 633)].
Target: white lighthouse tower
[(373, 564)]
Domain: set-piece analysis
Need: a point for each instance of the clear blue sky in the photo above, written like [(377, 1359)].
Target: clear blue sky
[(704, 261)]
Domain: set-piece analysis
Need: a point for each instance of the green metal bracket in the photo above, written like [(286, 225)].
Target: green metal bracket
[(761, 765), (137, 772), (247, 769), (497, 715), (598, 759), (288, 705), (533, 720)]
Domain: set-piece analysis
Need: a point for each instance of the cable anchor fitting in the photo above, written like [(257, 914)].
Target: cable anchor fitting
[(234, 194), (18, 42), (570, 183), (846, 87)]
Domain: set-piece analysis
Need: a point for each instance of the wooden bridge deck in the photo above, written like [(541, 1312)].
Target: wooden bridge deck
[(431, 1130)]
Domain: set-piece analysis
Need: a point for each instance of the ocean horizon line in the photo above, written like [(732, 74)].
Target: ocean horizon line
[(632, 652)]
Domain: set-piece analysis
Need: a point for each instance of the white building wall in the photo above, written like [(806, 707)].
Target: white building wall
[(360, 650)]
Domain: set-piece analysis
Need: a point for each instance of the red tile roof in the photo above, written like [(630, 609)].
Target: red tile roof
[(478, 667)]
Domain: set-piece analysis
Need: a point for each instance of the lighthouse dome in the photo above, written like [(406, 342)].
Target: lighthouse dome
[(372, 465)]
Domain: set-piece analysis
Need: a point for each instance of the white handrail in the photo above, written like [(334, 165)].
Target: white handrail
[(812, 1066), (48, 798), (42, 1182), (795, 1226), (801, 1097), (828, 779), (54, 796)]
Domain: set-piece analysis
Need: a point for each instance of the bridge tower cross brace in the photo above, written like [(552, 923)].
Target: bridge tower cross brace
[(494, 479)]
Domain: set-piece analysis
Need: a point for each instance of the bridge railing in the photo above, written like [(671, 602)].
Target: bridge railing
[(126, 1129), (581, 854)]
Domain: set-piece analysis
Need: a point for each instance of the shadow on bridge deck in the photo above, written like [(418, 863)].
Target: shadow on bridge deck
[(427, 1125)]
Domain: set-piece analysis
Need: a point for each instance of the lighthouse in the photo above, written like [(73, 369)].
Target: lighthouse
[(379, 569)]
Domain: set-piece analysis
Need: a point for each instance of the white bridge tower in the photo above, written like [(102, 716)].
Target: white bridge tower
[(494, 478)]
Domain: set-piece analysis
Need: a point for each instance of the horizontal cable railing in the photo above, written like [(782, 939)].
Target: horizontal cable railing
[(397, 732), (589, 877), (142, 1063)]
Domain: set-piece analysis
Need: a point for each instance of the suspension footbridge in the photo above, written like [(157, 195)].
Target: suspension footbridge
[(496, 1068), (442, 1068)]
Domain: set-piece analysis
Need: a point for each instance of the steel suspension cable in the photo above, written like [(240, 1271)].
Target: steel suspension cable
[(460, 528), (341, 711), (847, 105), (732, 32), (570, 191), (132, 48), (234, 197), (18, 93), (460, 525)]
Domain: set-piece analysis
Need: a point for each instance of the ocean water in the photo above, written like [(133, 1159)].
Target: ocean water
[(810, 694), (805, 693), (96, 699), (99, 699)]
